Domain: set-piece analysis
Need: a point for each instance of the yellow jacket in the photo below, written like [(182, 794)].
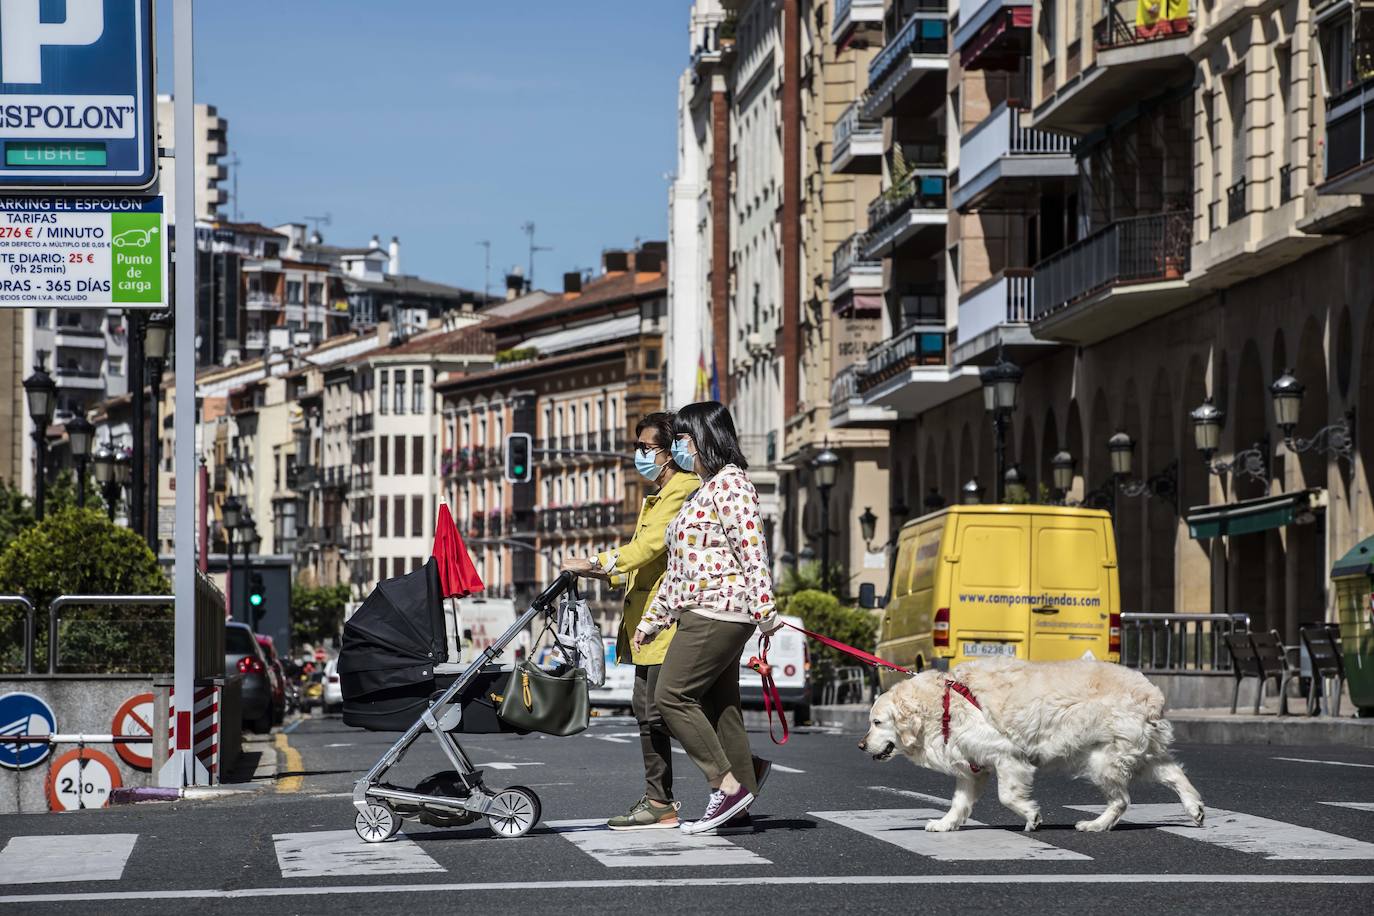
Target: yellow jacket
[(640, 564)]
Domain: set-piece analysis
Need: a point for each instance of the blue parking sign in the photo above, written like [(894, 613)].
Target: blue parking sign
[(77, 108), (24, 715)]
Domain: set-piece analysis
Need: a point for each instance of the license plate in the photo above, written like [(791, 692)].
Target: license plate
[(988, 649)]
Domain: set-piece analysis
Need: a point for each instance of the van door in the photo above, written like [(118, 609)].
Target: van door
[(1071, 565), (989, 582)]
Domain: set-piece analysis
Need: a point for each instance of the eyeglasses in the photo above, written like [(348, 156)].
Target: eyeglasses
[(645, 448)]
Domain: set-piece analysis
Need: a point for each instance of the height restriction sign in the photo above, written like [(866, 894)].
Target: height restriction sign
[(82, 252)]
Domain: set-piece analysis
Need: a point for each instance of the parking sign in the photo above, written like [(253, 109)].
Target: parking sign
[(76, 94)]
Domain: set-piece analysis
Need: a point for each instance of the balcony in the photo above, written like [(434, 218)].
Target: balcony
[(360, 424), (919, 49), (69, 376), (255, 341), (1003, 163), (1350, 141), (847, 407), (360, 482), (996, 316), (75, 335), (914, 206), (853, 16), (258, 301), (910, 373), (336, 477), (858, 144), (1123, 275), (993, 34), (302, 476), (855, 284), (1127, 62), (477, 526)]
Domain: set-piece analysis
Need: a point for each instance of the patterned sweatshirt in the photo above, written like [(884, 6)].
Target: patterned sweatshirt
[(717, 558)]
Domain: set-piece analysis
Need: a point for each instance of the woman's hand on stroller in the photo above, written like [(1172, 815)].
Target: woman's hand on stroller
[(584, 567)]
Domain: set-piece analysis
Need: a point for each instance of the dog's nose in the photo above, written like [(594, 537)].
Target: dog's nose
[(863, 744)]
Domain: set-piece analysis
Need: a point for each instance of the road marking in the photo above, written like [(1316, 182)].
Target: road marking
[(1249, 833), (337, 745), (1330, 763), (506, 766), (782, 769), (694, 883), (59, 859), (611, 738), (905, 827), (678, 750), (656, 848), (1357, 806), (293, 726), (908, 793), (342, 852), (294, 764)]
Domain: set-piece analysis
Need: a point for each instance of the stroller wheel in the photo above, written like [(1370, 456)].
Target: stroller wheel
[(516, 811), (376, 823)]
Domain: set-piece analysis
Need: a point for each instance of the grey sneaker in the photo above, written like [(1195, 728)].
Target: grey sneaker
[(645, 815)]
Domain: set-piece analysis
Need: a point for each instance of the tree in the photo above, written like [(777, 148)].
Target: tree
[(80, 552), (316, 612), (823, 613), (807, 577), (16, 513)]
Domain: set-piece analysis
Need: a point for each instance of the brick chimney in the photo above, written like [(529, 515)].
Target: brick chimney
[(572, 282)]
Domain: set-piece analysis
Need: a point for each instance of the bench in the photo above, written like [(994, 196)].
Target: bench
[(1262, 656), (1323, 645)]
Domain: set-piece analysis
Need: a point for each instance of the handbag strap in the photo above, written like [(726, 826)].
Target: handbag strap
[(771, 698)]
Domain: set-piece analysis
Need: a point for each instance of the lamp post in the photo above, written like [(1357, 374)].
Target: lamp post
[(1252, 462), (80, 434), (105, 476), (1061, 469), (155, 337), (123, 471), (971, 493), (1336, 439), (1001, 385), (229, 515), (1120, 449), (868, 526), (1014, 482), (825, 466), (248, 529), (40, 391)]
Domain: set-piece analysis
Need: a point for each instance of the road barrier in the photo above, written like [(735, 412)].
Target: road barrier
[(30, 621), (1179, 643)]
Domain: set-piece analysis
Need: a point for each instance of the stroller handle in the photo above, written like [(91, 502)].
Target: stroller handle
[(564, 582)]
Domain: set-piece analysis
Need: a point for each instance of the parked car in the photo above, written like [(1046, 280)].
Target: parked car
[(277, 674), (333, 690), (312, 691), (243, 655)]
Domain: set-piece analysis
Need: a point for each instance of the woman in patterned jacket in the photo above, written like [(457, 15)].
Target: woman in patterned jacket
[(719, 591)]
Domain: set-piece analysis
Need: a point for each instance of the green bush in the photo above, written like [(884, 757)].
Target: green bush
[(80, 552), (822, 613), (316, 614)]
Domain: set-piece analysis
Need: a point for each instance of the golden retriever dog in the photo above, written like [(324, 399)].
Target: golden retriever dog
[(1100, 721)]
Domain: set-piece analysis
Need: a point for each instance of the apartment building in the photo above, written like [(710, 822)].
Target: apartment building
[(211, 146), (575, 372)]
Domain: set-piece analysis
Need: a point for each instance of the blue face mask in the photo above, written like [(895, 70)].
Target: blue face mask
[(646, 466), (685, 459)]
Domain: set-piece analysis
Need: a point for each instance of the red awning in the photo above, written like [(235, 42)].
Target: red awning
[(1017, 17)]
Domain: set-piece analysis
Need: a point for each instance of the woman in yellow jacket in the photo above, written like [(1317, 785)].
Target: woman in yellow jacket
[(638, 566)]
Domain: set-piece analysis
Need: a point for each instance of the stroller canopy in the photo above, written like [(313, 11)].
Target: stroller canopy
[(397, 637)]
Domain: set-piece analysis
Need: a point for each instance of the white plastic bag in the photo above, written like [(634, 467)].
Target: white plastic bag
[(577, 635)]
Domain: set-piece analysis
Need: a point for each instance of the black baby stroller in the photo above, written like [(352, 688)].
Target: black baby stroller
[(392, 667)]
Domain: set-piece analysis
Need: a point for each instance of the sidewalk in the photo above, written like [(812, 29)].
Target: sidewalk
[(1192, 726)]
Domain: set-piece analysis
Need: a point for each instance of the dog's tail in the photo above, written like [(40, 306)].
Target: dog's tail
[(1160, 734)]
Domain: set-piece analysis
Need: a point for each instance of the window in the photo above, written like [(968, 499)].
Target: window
[(381, 569), (399, 444), (417, 516), (293, 292), (116, 365), (417, 388), (400, 392), (315, 293), (381, 516), (1235, 98), (398, 505), (1336, 59), (398, 566), (417, 455), (382, 471), (382, 399), (417, 562), (651, 358), (40, 318)]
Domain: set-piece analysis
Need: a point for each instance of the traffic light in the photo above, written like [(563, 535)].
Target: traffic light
[(256, 595), (518, 453)]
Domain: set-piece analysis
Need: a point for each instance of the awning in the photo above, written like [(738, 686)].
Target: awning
[(1248, 516)]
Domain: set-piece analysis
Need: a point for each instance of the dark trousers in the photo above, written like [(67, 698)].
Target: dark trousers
[(698, 694), (655, 742)]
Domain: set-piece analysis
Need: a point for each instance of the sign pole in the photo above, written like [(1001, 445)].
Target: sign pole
[(187, 767)]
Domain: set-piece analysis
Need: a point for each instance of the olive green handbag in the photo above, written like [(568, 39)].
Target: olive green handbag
[(554, 703)]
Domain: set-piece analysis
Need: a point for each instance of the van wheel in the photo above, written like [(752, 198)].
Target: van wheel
[(920, 664)]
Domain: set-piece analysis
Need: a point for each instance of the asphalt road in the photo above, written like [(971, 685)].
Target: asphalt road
[(836, 832)]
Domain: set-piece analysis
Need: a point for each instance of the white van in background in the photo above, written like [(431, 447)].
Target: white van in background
[(620, 681), (790, 659), (481, 621)]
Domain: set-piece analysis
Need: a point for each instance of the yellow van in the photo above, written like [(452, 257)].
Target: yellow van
[(1023, 581)]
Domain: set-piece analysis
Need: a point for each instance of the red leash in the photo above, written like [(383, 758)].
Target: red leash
[(771, 698), (860, 654)]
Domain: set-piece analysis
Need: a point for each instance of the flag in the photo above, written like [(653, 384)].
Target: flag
[(715, 380), (703, 381), (457, 576)]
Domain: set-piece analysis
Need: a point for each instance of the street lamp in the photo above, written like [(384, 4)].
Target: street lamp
[(1252, 462), (1015, 485), (933, 502), (105, 477), (824, 467), (1336, 440), (230, 513), (155, 339), (971, 494), (80, 434), (868, 526), (1061, 470), (1001, 386), (40, 391)]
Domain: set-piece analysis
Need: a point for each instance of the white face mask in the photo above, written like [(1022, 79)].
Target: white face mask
[(685, 459)]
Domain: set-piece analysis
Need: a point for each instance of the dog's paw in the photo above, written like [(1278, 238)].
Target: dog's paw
[(941, 826), (1092, 826), (1033, 823), (1199, 814)]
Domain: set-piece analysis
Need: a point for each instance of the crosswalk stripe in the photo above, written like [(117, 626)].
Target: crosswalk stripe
[(1247, 833), (342, 852), (1358, 806), (905, 827), (72, 857), (657, 848), (1330, 763)]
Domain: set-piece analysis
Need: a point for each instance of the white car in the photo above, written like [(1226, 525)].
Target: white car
[(333, 690), (790, 658), (620, 681)]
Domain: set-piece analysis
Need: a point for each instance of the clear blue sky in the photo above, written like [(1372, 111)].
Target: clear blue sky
[(448, 121)]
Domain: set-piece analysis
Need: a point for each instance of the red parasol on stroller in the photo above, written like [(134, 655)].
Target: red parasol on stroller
[(458, 577)]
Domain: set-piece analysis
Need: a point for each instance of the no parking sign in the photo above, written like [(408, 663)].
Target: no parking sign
[(23, 715), (81, 778), (135, 719)]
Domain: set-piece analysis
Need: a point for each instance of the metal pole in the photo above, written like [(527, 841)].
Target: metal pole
[(999, 426), (81, 482), (183, 36), (825, 538), (133, 320), (40, 490), (154, 458), (229, 573)]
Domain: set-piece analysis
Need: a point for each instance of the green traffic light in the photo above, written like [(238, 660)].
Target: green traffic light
[(519, 470), (255, 599)]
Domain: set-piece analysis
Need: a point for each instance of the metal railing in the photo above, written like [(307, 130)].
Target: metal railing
[(1005, 299), (917, 345), (845, 386), (1236, 205), (24, 660), (1350, 129), (1118, 26), (925, 32), (1142, 248), (1001, 134), (847, 257), (1285, 183), (850, 126), (1179, 643), (923, 187)]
